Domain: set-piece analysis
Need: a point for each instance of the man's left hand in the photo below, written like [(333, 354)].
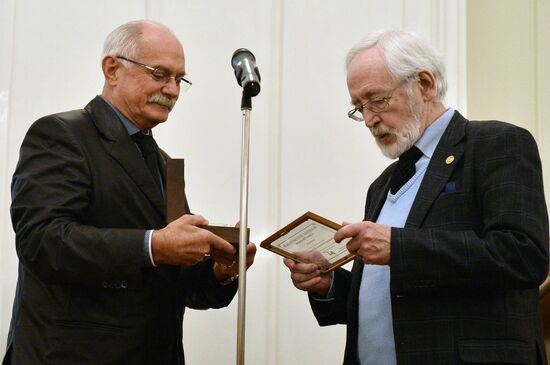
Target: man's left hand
[(369, 241), (226, 266)]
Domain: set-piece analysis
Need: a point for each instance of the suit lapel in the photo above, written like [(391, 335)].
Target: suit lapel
[(378, 198), (134, 166), (446, 157), (121, 147)]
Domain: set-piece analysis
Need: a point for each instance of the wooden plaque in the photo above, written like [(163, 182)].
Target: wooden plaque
[(176, 202), (310, 239)]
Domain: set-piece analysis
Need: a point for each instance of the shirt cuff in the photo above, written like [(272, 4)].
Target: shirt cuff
[(147, 246)]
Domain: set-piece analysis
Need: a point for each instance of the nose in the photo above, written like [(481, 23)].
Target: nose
[(369, 118), (171, 89)]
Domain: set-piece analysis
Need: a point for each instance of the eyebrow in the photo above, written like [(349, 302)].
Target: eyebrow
[(164, 68), (368, 96)]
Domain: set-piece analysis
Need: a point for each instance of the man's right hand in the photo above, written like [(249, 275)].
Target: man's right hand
[(182, 242), (307, 276)]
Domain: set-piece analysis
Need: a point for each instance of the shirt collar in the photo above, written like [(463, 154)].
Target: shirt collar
[(431, 136)]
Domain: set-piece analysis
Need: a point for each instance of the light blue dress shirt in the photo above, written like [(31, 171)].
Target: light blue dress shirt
[(375, 341)]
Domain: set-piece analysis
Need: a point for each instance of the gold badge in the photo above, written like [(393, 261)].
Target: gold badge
[(450, 160)]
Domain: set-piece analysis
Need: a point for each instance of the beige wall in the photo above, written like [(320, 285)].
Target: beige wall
[(507, 67)]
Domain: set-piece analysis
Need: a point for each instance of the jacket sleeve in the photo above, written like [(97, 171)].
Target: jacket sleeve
[(334, 310), (51, 195)]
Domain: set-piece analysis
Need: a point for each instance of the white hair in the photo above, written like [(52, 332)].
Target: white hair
[(405, 54), (124, 40)]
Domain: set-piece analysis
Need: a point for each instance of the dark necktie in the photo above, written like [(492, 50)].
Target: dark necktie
[(148, 148), (404, 169)]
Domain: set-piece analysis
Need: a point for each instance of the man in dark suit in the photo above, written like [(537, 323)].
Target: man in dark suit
[(453, 245), (102, 278)]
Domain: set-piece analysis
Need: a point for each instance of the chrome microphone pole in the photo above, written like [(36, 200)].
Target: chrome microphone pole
[(246, 107), (248, 76)]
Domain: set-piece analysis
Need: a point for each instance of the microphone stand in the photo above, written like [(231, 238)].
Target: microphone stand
[(246, 107)]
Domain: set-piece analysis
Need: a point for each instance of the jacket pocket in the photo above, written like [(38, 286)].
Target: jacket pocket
[(505, 351)]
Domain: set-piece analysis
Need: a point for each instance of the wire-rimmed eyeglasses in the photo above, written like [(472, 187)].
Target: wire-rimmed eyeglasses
[(375, 105), (161, 74)]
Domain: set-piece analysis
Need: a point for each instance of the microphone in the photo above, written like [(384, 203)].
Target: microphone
[(246, 71)]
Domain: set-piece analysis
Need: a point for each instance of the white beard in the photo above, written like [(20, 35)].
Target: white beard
[(406, 136)]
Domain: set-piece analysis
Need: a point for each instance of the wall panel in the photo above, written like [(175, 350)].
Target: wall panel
[(7, 252), (541, 34), (508, 68), (305, 153)]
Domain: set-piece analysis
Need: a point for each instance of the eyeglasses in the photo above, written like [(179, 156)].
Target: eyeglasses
[(375, 105), (161, 74)]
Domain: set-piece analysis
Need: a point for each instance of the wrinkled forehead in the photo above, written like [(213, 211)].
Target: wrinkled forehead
[(367, 75)]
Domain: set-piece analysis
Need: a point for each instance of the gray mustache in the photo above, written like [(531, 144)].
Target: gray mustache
[(162, 100)]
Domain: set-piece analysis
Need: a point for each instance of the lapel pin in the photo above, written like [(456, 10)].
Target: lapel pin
[(450, 160)]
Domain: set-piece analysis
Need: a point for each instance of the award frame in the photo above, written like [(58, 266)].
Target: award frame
[(273, 244), (230, 234), (176, 202)]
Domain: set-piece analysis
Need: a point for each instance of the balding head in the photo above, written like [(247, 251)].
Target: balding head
[(125, 39)]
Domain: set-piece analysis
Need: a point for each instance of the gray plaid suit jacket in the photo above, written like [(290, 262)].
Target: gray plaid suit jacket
[(466, 267)]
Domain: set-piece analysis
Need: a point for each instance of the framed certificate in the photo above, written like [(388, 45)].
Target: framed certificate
[(310, 239)]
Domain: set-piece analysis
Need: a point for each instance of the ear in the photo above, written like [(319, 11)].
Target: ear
[(110, 65), (426, 82)]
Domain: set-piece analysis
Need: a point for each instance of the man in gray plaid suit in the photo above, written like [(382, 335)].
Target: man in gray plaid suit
[(454, 242)]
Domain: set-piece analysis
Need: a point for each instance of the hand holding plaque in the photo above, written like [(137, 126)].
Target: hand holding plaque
[(310, 239)]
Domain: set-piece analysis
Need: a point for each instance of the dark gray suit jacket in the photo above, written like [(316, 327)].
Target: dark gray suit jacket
[(466, 267), (86, 293)]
